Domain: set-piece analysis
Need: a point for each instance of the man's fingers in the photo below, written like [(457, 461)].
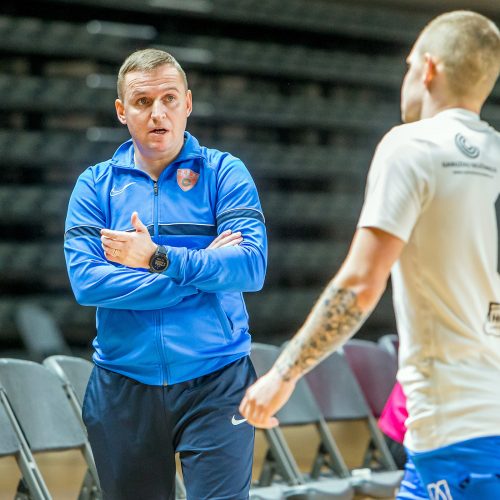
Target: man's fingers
[(274, 422), (109, 244), (232, 243), (224, 240), (137, 223), (114, 235), (267, 424), (255, 414)]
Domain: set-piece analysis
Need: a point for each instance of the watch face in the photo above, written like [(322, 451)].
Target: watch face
[(159, 262)]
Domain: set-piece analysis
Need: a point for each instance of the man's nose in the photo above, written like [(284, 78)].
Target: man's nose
[(159, 110)]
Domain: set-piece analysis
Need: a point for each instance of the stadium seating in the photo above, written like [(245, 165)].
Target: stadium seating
[(301, 409), (302, 95), (340, 398), (375, 370), (390, 342), (13, 444), (45, 416)]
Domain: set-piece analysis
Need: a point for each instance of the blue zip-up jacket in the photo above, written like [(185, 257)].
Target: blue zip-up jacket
[(191, 320)]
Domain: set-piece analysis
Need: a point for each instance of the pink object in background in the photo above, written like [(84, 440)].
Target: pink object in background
[(393, 417)]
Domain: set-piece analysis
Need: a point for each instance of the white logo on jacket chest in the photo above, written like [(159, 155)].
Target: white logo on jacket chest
[(116, 191)]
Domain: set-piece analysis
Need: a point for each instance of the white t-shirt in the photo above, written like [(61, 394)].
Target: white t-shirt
[(435, 185)]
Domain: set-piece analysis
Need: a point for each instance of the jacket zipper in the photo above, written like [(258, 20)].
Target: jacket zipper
[(155, 209), (158, 313)]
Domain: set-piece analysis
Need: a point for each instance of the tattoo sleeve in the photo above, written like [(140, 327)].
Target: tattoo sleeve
[(334, 319)]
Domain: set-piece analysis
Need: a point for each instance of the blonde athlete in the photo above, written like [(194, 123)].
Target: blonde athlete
[(429, 218)]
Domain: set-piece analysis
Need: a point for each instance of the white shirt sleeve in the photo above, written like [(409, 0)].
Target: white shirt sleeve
[(399, 184)]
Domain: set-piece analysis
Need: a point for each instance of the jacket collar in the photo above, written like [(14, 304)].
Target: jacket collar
[(124, 155)]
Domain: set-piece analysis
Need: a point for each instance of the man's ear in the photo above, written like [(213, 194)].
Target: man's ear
[(430, 71), (189, 102), (120, 111)]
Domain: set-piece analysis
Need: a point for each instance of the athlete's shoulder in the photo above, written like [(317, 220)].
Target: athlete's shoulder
[(98, 172), (223, 162), (407, 133), (122, 157)]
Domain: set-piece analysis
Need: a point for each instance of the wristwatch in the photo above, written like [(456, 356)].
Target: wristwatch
[(159, 260)]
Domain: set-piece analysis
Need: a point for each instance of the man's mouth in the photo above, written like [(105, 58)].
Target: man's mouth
[(159, 131)]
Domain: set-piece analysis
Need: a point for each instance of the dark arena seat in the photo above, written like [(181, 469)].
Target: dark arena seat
[(340, 398), (375, 370), (300, 410)]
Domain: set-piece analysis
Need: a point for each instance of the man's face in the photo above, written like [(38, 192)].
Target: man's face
[(155, 108), (413, 89)]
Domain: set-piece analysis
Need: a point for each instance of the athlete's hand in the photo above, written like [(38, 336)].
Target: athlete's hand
[(264, 398), (226, 239), (130, 248)]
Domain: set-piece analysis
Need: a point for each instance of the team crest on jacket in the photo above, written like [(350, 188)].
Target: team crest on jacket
[(186, 178)]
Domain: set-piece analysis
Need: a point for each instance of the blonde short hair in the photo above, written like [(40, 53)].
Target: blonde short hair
[(146, 60), (468, 44)]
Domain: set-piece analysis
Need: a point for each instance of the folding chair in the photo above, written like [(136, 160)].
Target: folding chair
[(340, 398), (39, 332), (13, 443), (43, 414), (301, 409), (74, 374), (375, 370), (390, 342)]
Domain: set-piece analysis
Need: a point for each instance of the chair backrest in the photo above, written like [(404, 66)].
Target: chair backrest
[(301, 408), (340, 397), (375, 370), (336, 390), (41, 406), (9, 445), (13, 443), (73, 370), (39, 332), (390, 342)]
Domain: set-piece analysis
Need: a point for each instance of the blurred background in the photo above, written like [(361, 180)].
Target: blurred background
[(300, 90)]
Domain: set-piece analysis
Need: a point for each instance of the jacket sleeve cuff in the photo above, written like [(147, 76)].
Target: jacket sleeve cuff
[(175, 256)]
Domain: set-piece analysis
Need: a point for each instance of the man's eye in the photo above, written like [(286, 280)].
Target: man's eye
[(142, 101), (170, 98)]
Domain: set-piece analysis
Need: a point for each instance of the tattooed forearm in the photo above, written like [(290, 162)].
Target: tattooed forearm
[(334, 319)]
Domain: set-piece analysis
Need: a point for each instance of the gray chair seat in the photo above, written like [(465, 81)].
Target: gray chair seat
[(382, 484)]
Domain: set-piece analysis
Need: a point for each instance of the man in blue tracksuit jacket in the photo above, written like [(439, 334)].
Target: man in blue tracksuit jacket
[(163, 238)]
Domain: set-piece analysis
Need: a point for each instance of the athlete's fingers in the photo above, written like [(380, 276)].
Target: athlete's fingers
[(217, 241), (255, 414), (115, 235), (138, 224), (111, 256), (232, 243), (228, 239), (109, 245), (262, 420)]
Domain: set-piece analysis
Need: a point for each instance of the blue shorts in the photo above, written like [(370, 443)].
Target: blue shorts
[(135, 430), (411, 487), (468, 470)]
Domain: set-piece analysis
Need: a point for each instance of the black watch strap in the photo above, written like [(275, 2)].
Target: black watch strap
[(159, 260)]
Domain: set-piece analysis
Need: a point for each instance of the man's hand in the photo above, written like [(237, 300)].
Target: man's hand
[(135, 249), (226, 239), (132, 249), (264, 398)]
